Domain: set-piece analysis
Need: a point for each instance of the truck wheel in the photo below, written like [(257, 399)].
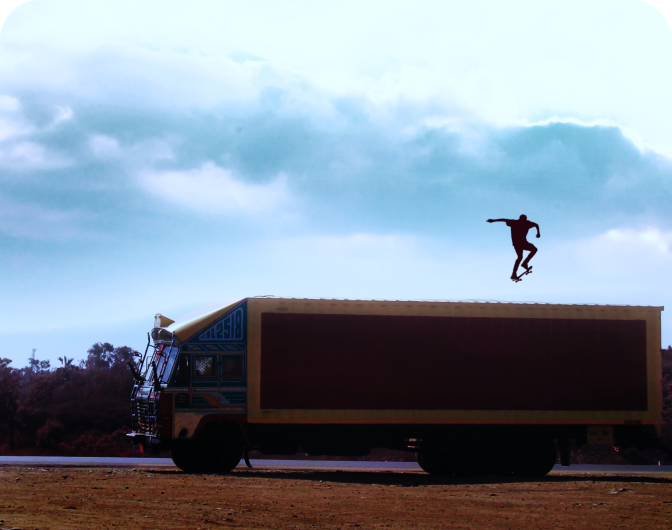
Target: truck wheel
[(532, 458), (217, 449), (434, 461), (184, 456), (220, 447), (473, 457)]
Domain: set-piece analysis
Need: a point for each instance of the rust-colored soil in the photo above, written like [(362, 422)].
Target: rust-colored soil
[(44, 498)]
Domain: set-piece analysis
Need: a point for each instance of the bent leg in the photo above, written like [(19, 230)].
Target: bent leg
[(533, 251)]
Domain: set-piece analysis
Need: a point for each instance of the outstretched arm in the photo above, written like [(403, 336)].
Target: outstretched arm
[(537, 227), (497, 220)]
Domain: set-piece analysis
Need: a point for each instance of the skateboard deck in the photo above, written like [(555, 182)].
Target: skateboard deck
[(520, 276)]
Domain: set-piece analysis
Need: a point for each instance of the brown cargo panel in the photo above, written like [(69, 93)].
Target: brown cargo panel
[(374, 362)]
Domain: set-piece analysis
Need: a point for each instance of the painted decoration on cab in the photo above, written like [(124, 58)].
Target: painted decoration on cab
[(229, 328)]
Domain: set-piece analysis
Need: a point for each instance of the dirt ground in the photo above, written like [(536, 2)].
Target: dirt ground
[(148, 498)]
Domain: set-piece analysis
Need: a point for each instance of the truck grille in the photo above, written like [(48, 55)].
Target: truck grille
[(144, 414)]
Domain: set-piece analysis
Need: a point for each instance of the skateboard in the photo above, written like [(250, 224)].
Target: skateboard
[(520, 276)]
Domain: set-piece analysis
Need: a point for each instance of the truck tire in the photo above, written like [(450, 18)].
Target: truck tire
[(217, 449), (434, 461), (220, 447), (462, 456), (184, 456), (532, 457), (473, 456)]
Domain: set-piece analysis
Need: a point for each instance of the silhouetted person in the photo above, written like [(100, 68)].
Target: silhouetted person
[(519, 229)]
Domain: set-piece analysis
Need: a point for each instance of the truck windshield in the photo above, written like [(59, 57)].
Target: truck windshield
[(164, 358)]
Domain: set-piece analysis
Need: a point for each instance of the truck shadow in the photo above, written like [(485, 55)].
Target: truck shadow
[(416, 479)]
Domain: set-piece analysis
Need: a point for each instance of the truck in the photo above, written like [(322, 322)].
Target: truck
[(470, 387)]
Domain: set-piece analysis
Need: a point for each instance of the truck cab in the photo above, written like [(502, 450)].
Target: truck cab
[(188, 380)]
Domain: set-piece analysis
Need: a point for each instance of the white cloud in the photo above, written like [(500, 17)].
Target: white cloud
[(62, 114), (650, 238), (30, 155), (104, 146), (35, 222), (142, 154), (12, 127), (8, 104), (211, 189), (147, 152), (11, 122), (630, 133), (627, 257)]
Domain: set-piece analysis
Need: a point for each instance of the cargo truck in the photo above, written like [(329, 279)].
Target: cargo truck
[(471, 388)]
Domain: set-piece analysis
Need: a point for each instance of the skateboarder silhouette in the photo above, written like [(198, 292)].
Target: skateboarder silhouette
[(519, 229)]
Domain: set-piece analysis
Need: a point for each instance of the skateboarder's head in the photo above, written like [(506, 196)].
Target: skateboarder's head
[(523, 217)]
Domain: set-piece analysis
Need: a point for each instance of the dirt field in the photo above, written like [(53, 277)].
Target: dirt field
[(46, 498)]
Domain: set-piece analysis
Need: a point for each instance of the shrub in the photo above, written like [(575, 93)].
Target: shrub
[(49, 436)]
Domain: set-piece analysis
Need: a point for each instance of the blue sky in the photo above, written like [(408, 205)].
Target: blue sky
[(155, 158)]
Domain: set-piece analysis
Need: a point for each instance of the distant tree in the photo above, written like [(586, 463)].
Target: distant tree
[(33, 363), (667, 359), (40, 390), (4, 362), (49, 436), (123, 355), (10, 381), (100, 355), (64, 372), (35, 366), (666, 437), (67, 363)]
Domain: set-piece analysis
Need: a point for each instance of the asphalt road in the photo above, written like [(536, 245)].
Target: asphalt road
[(62, 461)]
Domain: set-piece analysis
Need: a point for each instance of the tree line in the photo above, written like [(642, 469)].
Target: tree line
[(72, 408)]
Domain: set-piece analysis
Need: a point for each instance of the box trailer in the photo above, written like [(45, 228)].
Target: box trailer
[(470, 387)]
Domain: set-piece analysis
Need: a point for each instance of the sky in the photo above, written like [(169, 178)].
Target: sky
[(156, 157)]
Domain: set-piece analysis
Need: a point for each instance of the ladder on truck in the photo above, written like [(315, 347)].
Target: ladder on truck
[(146, 391)]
